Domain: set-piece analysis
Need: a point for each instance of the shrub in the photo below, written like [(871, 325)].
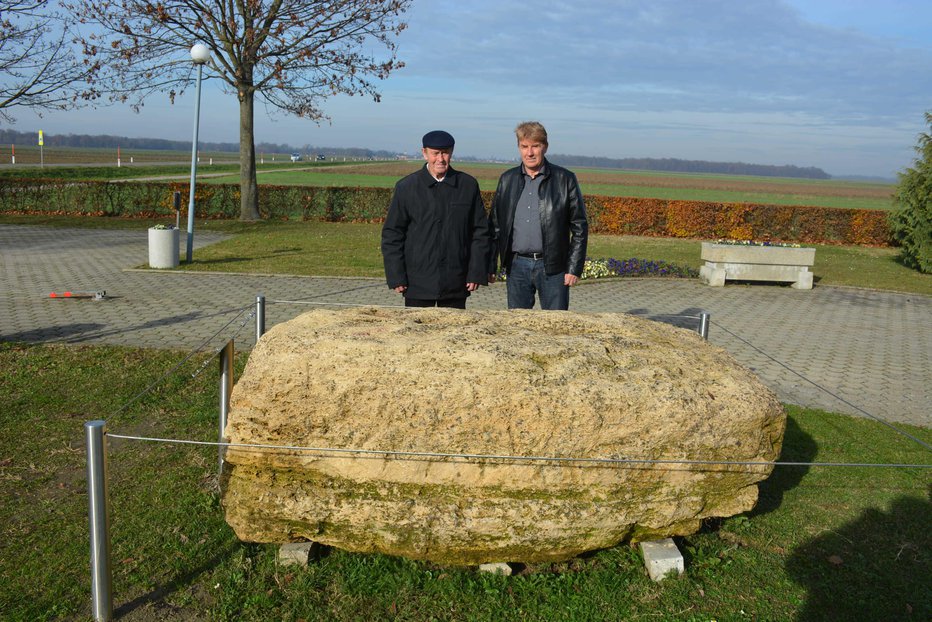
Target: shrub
[(911, 222), (607, 215)]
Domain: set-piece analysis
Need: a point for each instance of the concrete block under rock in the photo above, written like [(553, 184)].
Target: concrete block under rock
[(298, 553), (661, 557), (496, 568)]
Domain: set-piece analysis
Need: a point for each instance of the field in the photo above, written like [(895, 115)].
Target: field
[(278, 169), (79, 156), (681, 186)]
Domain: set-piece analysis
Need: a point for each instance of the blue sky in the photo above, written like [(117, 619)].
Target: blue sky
[(841, 85)]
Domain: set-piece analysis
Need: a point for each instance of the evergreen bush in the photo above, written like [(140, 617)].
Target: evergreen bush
[(911, 222)]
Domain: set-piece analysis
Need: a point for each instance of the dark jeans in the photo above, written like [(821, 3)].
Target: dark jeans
[(449, 303), (528, 276)]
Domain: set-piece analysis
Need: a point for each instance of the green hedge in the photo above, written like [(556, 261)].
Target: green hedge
[(610, 215)]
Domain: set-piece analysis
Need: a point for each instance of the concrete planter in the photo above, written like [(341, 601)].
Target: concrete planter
[(163, 248), (756, 263)]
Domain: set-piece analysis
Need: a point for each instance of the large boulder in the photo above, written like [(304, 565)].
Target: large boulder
[(490, 387)]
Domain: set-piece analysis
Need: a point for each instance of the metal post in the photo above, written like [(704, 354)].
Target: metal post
[(226, 391), (197, 119), (704, 325), (98, 516), (176, 200), (260, 316)]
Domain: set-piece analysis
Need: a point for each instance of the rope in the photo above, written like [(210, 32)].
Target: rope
[(480, 457), (485, 457), (821, 388), (335, 304), (175, 368)]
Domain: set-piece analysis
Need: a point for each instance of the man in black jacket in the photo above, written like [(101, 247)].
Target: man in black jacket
[(539, 225), (436, 241)]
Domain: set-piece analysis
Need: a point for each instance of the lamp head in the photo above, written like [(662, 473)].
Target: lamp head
[(200, 54)]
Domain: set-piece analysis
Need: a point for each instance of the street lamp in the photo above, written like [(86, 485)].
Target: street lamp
[(200, 55)]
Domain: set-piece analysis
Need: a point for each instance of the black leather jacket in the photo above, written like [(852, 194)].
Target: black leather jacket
[(562, 219)]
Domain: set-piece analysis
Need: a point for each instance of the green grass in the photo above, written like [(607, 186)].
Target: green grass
[(854, 266), (325, 178), (328, 178), (823, 544), (352, 249), (105, 173), (179, 172)]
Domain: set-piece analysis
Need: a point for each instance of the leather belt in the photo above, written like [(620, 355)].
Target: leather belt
[(531, 255)]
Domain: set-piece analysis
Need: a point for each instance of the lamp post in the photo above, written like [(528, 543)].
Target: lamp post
[(200, 55)]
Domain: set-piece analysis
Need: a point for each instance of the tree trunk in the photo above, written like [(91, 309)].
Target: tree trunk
[(248, 187)]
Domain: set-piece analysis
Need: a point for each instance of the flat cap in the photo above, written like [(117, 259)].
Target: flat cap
[(438, 139)]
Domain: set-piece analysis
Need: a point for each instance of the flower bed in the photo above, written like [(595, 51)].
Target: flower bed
[(634, 267)]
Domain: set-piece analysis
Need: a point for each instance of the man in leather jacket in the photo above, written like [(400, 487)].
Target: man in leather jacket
[(539, 226), (435, 240)]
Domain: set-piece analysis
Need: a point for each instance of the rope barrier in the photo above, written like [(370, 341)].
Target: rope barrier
[(336, 304), (486, 457), (493, 457), (821, 388), (178, 365), (674, 315)]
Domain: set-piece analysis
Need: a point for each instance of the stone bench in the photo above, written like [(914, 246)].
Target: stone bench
[(736, 262)]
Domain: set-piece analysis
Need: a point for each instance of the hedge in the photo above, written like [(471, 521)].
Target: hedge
[(608, 215)]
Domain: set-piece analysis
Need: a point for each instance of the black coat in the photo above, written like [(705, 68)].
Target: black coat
[(563, 220), (436, 236)]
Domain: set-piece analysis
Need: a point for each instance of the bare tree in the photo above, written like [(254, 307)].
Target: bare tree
[(292, 53), (38, 65)]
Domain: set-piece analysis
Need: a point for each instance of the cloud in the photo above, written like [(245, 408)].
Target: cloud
[(669, 55), (838, 84)]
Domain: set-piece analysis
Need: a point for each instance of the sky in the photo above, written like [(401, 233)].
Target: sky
[(837, 84)]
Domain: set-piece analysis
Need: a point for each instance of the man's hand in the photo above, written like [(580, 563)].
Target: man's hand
[(401, 289), (570, 279), (471, 287)]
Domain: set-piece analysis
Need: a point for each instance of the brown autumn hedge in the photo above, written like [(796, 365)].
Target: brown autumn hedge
[(607, 215)]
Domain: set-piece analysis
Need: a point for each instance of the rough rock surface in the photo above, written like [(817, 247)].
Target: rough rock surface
[(495, 383)]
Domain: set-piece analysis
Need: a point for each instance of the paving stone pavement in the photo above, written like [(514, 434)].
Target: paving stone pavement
[(840, 349)]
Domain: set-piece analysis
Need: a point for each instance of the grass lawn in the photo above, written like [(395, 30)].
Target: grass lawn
[(824, 543), (344, 249), (158, 169), (352, 249)]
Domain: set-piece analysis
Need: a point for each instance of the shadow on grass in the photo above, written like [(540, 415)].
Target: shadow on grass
[(798, 446), (874, 568), (219, 260), (158, 595)]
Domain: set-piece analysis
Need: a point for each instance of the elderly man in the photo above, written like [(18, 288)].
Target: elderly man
[(539, 225), (436, 240)]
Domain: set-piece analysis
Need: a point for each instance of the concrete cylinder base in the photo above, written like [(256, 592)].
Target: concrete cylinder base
[(163, 248)]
